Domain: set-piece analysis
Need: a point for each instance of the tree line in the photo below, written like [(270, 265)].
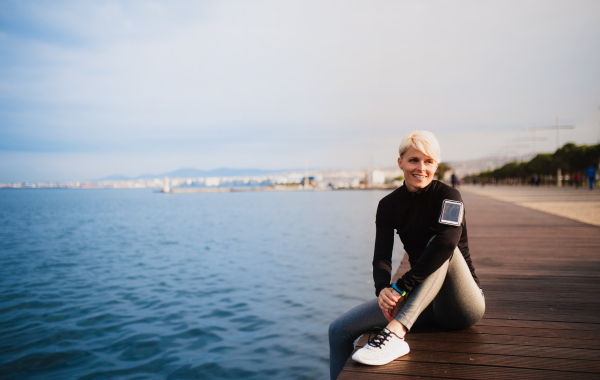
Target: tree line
[(570, 159)]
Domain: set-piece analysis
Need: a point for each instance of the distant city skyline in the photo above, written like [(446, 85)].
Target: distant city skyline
[(92, 89)]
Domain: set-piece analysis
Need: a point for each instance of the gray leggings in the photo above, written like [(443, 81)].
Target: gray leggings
[(449, 297)]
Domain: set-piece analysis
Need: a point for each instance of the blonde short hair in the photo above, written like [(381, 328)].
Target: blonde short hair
[(425, 142)]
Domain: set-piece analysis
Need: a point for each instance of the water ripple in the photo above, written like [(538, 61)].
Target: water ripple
[(131, 284)]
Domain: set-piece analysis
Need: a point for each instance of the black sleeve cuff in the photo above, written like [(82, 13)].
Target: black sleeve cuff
[(380, 288)]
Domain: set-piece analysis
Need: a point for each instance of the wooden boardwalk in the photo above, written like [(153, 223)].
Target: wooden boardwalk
[(541, 278)]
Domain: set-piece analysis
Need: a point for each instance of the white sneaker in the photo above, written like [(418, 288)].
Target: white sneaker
[(385, 347)]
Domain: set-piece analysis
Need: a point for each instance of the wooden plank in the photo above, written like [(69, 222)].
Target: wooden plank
[(501, 293), (559, 311), (462, 371), (508, 349), (352, 373), (488, 321), (460, 337), (510, 361), (524, 331), (519, 314), (567, 306)]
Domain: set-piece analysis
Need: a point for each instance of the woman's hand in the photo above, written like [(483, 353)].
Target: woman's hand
[(389, 301)]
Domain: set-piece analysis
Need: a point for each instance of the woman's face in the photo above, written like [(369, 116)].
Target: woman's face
[(418, 169)]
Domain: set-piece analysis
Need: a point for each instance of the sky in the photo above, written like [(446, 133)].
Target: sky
[(91, 89)]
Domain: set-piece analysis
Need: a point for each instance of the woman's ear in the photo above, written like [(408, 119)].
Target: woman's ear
[(400, 163)]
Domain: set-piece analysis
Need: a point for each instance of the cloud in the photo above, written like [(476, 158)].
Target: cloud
[(154, 76)]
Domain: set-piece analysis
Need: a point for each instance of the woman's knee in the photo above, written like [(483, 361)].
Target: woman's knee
[(334, 327), (461, 319), (338, 329), (343, 330), (357, 320)]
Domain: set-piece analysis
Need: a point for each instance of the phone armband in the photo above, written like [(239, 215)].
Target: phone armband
[(452, 212)]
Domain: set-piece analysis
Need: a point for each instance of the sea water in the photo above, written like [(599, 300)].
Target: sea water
[(136, 284)]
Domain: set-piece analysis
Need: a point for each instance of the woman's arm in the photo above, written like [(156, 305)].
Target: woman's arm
[(384, 245)]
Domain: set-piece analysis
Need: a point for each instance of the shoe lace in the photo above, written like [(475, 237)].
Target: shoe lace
[(380, 338)]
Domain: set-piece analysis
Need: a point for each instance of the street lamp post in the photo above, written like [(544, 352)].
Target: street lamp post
[(558, 127)]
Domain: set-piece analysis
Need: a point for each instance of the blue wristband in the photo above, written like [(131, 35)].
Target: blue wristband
[(402, 292)]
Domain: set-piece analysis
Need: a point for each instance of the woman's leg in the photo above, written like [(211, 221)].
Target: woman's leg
[(460, 303), (457, 302), (347, 328), (421, 296)]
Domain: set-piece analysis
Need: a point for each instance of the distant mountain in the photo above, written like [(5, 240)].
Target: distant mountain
[(193, 173), (220, 172)]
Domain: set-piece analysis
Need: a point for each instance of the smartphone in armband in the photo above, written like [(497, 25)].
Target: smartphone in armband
[(452, 212)]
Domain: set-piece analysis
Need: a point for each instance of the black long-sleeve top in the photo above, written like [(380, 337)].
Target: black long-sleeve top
[(415, 216)]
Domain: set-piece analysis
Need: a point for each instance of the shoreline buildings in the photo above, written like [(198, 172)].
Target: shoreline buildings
[(292, 180)]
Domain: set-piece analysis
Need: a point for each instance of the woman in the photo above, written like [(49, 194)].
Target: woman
[(441, 286)]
